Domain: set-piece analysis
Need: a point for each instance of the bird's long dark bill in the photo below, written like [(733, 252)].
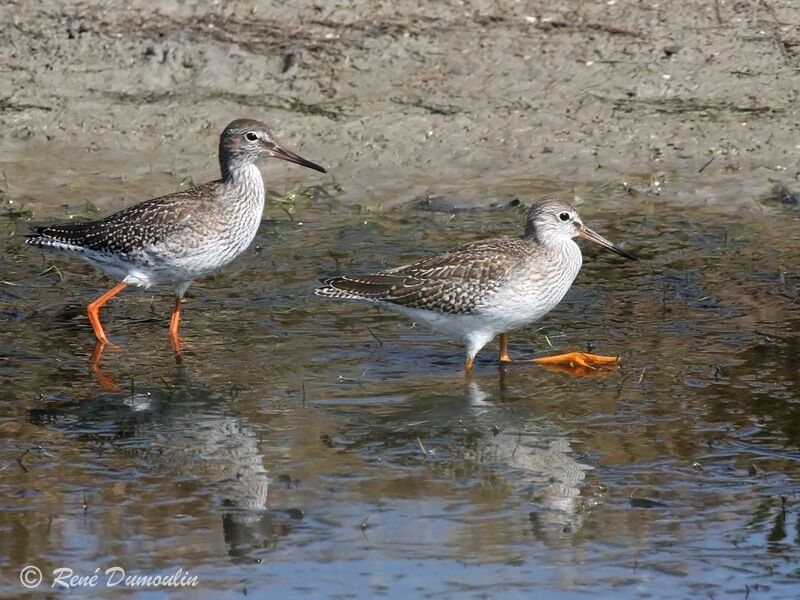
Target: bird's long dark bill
[(590, 235), (283, 154)]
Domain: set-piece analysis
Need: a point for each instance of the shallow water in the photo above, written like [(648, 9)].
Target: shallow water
[(316, 448)]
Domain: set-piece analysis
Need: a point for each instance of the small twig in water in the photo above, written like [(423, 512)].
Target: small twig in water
[(622, 383), (20, 457), (377, 339), (421, 447), (54, 269)]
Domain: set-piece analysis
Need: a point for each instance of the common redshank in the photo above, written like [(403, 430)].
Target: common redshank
[(479, 290), (177, 238)]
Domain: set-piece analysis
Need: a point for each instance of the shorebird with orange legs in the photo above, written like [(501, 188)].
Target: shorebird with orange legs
[(488, 288), (178, 238)]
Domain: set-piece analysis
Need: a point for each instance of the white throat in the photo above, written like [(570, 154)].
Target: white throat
[(247, 178)]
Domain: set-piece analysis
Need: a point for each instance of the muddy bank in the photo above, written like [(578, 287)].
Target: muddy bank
[(400, 97)]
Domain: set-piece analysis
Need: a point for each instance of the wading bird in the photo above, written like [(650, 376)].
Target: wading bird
[(178, 238), (479, 290)]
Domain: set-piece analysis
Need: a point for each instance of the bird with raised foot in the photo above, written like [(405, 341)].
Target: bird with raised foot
[(180, 237)]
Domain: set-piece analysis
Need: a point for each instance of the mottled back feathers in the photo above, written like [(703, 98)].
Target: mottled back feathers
[(453, 282), (129, 230), (536, 268)]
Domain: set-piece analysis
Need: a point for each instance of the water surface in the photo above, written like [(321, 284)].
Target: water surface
[(325, 449)]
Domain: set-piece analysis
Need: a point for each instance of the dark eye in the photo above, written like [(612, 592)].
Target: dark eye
[(564, 216), (252, 137)]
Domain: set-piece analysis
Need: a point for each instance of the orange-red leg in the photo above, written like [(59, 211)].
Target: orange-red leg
[(174, 323), (570, 359), (93, 311), (504, 357), (468, 369), (579, 359)]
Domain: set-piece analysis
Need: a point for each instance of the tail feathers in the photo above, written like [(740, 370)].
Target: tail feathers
[(53, 238), (359, 287), (37, 232), (332, 292)]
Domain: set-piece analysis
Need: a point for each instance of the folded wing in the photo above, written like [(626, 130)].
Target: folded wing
[(123, 232), (454, 282)]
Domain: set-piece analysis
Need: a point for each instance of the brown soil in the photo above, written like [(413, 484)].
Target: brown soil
[(399, 95)]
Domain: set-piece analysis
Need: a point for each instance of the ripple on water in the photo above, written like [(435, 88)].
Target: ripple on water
[(310, 446)]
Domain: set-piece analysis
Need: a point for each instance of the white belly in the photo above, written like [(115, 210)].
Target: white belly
[(523, 302), (174, 260), (524, 299)]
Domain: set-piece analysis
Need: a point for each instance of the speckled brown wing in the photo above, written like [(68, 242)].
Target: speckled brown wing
[(453, 282), (128, 230)]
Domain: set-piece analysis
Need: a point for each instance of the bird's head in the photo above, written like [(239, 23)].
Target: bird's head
[(551, 220), (247, 141)]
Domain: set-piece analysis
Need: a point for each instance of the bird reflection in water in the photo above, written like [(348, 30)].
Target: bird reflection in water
[(546, 466), (187, 433)]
